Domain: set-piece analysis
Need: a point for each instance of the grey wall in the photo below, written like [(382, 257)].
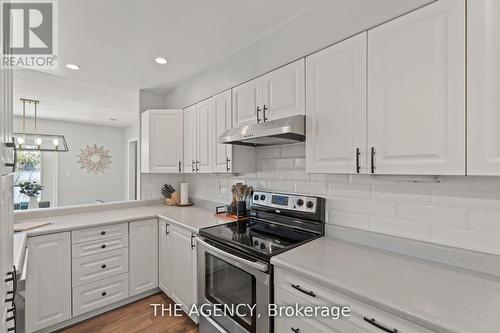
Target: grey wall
[(75, 186), (320, 26)]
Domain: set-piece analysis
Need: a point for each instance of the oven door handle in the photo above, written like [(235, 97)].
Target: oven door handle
[(257, 265)]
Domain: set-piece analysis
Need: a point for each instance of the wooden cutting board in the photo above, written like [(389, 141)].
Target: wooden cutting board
[(23, 226)]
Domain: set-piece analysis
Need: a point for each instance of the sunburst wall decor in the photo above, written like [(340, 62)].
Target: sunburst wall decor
[(94, 159)]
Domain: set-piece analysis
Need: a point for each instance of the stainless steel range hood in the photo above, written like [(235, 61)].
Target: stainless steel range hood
[(275, 132)]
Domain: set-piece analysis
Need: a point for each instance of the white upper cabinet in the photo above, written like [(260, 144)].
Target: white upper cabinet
[(204, 133), (416, 92), (336, 108), (247, 101), (162, 141), (483, 109), (283, 92), (190, 139), (222, 153), (277, 94), (143, 256)]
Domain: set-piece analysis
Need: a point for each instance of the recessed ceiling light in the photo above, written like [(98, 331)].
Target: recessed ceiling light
[(112, 119), (161, 61), (73, 67)]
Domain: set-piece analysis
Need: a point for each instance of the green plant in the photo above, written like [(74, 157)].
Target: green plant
[(28, 161), (31, 189)]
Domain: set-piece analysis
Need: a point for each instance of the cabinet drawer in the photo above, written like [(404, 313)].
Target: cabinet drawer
[(98, 294), (359, 310), (99, 246), (99, 266), (307, 324), (106, 231)]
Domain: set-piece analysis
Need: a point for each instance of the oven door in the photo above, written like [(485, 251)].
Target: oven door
[(229, 278)]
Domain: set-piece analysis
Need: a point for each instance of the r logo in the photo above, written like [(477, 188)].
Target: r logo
[(28, 28)]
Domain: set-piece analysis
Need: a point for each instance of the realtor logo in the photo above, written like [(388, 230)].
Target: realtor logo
[(29, 34)]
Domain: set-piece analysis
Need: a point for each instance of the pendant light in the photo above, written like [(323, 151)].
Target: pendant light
[(37, 141)]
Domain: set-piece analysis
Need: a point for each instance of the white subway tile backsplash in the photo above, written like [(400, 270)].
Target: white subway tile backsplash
[(316, 188), (408, 229), (350, 220), (457, 211), (485, 221), (456, 218)]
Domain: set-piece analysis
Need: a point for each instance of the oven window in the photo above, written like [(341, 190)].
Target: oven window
[(229, 285)]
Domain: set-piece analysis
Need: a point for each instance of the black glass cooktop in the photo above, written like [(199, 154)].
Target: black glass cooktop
[(256, 237)]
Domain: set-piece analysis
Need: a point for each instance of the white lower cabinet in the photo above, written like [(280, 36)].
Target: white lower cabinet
[(164, 256), (291, 289), (143, 256), (100, 293), (178, 265), (48, 281)]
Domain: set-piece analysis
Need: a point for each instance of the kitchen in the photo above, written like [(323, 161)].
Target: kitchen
[(276, 166)]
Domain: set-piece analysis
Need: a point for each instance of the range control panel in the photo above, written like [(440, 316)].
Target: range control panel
[(294, 202)]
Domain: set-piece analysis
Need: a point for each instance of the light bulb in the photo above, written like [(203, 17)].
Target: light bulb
[(38, 141), (56, 142)]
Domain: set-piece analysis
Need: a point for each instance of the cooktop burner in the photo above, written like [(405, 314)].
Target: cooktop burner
[(257, 237)]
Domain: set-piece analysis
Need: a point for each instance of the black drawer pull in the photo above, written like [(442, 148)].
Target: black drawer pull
[(373, 322), (103, 246), (103, 233), (103, 266), (295, 330), (310, 293), (103, 293)]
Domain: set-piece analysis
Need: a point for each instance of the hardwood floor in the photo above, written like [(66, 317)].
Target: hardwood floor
[(136, 317)]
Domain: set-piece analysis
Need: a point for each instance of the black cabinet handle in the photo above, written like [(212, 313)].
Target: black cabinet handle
[(373, 322), (103, 266), (299, 288), (372, 154), (227, 164), (12, 144), (103, 293), (192, 241), (179, 166), (258, 110), (358, 167), (197, 162), (295, 330), (192, 165), (103, 246), (166, 229), (103, 233), (264, 109)]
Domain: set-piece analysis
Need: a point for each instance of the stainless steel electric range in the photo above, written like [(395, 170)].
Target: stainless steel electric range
[(234, 270)]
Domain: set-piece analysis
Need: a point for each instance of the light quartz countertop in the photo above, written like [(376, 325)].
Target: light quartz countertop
[(193, 218), (438, 297)]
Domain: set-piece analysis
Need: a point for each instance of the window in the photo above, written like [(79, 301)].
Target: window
[(29, 169)]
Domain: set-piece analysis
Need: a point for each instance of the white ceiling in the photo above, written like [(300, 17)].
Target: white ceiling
[(73, 100), (116, 41)]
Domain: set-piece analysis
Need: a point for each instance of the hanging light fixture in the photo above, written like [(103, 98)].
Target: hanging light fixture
[(37, 141)]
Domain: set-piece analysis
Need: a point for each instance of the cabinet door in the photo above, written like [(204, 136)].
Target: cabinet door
[(143, 256), (182, 259), (246, 98), (283, 91), (190, 139), (483, 110), (48, 281), (336, 108), (161, 141), (164, 257), (416, 91), (222, 156), (204, 131)]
